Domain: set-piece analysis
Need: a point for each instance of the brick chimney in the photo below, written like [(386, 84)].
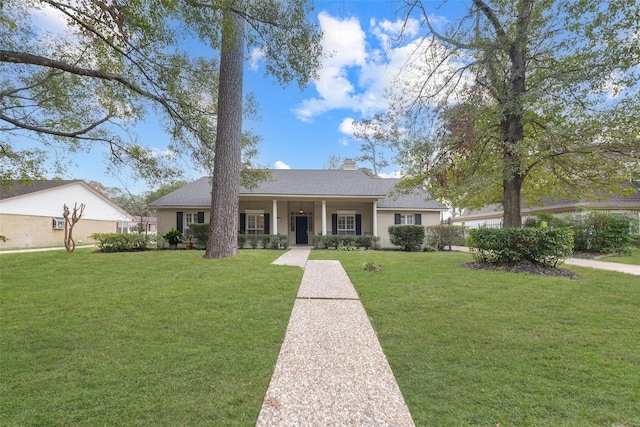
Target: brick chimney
[(349, 165)]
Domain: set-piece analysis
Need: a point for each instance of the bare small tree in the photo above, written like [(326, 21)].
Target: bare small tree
[(69, 243)]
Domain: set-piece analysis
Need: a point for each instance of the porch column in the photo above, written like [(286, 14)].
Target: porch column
[(375, 218), (324, 217), (274, 220)]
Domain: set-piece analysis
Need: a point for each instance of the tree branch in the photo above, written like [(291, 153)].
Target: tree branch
[(76, 134)]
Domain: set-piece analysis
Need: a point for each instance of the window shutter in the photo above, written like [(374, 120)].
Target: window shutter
[(396, 219), (200, 217), (266, 223), (243, 223), (180, 221), (334, 223), (418, 219), (358, 225)]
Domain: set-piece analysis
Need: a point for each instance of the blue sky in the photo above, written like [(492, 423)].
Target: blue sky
[(302, 129)]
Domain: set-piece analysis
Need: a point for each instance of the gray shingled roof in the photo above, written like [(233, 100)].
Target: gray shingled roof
[(303, 182), (630, 201), (411, 201)]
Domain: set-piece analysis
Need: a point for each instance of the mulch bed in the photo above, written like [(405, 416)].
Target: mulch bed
[(522, 267)]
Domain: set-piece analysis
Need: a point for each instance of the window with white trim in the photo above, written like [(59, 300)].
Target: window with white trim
[(58, 223), (406, 219), (122, 227), (255, 223), (346, 224), (189, 218)]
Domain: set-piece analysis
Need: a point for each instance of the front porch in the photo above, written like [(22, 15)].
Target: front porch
[(302, 219)]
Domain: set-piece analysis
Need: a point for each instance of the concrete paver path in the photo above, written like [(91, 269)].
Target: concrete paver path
[(331, 369)]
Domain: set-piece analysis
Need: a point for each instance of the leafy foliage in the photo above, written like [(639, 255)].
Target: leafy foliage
[(607, 233), (439, 236), (547, 245), (373, 267), (344, 240), (173, 236), (521, 99), (120, 242), (408, 237)]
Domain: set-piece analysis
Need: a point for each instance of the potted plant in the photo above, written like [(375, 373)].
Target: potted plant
[(173, 237), (189, 245)]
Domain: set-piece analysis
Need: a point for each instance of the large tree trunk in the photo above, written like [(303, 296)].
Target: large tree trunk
[(513, 134), (223, 240), (511, 190)]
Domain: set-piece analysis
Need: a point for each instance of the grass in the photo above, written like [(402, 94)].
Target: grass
[(150, 338), (632, 258), (482, 347), (166, 338)]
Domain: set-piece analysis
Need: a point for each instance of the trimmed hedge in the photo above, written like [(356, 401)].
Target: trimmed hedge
[(408, 237), (119, 242), (200, 232), (439, 236), (598, 232), (266, 241), (345, 240), (606, 233), (546, 245)]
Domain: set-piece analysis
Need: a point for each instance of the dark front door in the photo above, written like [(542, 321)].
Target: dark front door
[(302, 224)]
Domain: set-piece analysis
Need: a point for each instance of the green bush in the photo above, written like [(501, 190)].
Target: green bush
[(439, 236), (339, 241), (408, 237), (200, 233), (545, 245), (118, 242), (266, 241), (602, 232)]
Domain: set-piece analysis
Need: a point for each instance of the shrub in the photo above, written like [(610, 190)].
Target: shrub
[(546, 245), (200, 232), (372, 267), (407, 237), (440, 236), (242, 240), (337, 241), (118, 242), (173, 236), (265, 239), (602, 232)]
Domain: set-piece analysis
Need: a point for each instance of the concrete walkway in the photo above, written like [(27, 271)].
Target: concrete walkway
[(331, 369)]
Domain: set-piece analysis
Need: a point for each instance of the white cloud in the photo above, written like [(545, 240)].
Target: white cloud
[(254, 60), (281, 165), (346, 126), (394, 174), (344, 44), (358, 72)]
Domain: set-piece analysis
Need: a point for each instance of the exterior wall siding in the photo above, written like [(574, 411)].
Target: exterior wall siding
[(28, 231), (386, 218), (167, 217)]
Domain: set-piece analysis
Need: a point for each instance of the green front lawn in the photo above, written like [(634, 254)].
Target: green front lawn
[(632, 258), (475, 347), (167, 338), (150, 338)]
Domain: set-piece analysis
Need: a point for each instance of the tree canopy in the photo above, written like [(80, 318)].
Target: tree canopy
[(98, 67), (521, 98)]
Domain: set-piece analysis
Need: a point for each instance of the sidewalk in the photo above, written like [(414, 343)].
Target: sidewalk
[(331, 369), (57, 248)]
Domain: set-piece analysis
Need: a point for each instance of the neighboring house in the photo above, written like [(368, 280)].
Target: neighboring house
[(305, 203), (31, 214), (491, 215)]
